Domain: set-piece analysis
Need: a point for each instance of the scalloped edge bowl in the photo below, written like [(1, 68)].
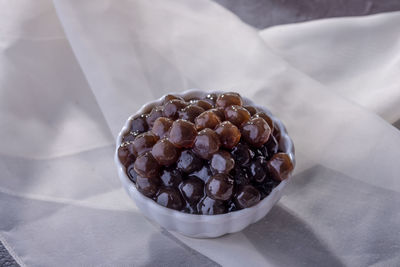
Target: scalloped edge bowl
[(202, 226)]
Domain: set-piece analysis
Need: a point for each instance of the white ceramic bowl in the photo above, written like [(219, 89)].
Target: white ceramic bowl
[(202, 226)]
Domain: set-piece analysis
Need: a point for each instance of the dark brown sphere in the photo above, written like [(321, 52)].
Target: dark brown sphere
[(171, 97), (190, 112), (237, 115), (209, 206), (165, 152), (170, 197), (206, 143), (247, 196), (241, 154), (143, 143), (252, 110), (172, 108), (171, 177), (256, 132), (222, 162), (229, 99), (257, 170), (154, 114), (220, 112), (192, 189), (280, 166), (139, 124), (228, 133), (125, 155), (220, 187), (147, 166), (147, 186), (207, 119), (182, 134), (266, 118), (203, 104), (188, 162), (161, 127), (211, 98)]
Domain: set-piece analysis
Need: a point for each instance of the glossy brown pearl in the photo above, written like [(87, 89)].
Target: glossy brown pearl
[(188, 162), (211, 98), (165, 152), (220, 187), (209, 206), (266, 118), (206, 143), (207, 119), (139, 124), (125, 155), (130, 137), (143, 143), (237, 115), (192, 190), (228, 99), (280, 166), (168, 98), (220, 112), (170, 197), (190, 113), (171, 177), (182, 134), (229, 134), (252, 110), (147, 166), (172, 108), (203, 104), (247, 196), (147, 186), (161, 127), (222, 162), (256, 132), (154, 114)]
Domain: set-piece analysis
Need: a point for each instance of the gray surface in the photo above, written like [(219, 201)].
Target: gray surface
[(265, 13)]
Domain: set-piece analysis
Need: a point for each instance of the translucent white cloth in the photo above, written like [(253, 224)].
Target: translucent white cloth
[(64, 97)]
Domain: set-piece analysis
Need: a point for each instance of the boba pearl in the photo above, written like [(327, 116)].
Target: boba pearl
[(220, 112), (147, 166), (207, 119), (143, 143), (252, 110), (247, 196), (139, 124), (203, 104), (206, 143), (237, 115), (256, 132), (220, 187), (209, 206), (241, 154), (168, 98), (228, 99), (147, 186), (280, 166), (125, 155), (182, 134), (161, 127), (190, 112), (266, 118), (192, 189), (165, 152), (188, 162), (154, 114), (229, 134), (172, 108), (171, 177), (170, 197), (222, 162)]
